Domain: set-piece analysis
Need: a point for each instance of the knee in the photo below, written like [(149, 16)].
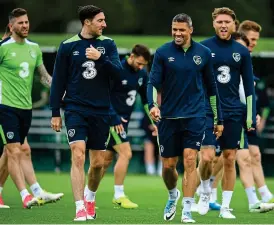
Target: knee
[(207, 157), (229, 158), (78, 156), (13, 151), (98, 165), (126, 154), (190, 162), (169, 164), (107, 162), (25, 148), (245, 161), (256, 157)]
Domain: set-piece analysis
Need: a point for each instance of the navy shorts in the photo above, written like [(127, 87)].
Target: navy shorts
[(116, 139), (93, 129), (231, 136), (244, 142), (253, 138), (210, 137), (177, 134), (249, 138), (14, 124)]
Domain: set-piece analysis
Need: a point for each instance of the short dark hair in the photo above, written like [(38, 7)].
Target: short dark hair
[(88, 12), (240, 36), (183, 18), (17, 13), (141, 50)]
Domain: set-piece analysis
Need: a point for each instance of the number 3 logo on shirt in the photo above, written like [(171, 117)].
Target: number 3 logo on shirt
[(132, 97), (225, 76), (24, 72), (90, 71)]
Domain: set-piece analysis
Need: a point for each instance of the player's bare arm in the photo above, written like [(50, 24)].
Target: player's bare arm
[(45, 78)]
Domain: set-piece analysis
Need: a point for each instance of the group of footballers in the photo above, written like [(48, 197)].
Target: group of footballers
[(200, 102)]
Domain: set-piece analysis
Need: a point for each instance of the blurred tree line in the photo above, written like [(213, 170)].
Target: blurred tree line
[(139, 16)]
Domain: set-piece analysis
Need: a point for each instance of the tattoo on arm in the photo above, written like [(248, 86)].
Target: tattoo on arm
[(45, 78)]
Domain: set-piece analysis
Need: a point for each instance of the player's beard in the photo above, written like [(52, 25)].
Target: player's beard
[(21, 34), (224, 35)]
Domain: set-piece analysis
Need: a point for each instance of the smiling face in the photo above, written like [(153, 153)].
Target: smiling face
[(253, 38), (224, 26), (96, 25), (181, 33), (20, 26)]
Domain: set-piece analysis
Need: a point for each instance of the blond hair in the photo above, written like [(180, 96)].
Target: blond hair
[(223, 10), (249, 25)]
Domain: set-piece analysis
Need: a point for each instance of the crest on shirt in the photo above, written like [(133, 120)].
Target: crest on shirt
[(10, 135), (236, 57), (197, 59), (124, 82), (71, 132), (32, 54), (102, 50), (140, 81)]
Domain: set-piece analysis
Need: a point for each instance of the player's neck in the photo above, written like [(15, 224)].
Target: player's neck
[(186, 45), (17, 38), (85, 34)]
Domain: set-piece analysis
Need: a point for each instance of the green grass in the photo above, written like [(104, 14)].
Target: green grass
[(148, 192), (124, 41)]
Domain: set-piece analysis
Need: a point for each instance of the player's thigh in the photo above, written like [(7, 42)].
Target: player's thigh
[(194, 132), (9, 125), (123, 150), (231, 136), (170, 138), (98, 132), (116, 139), (76, 126), (25, 123)]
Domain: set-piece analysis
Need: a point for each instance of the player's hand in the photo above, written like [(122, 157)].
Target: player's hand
[(260, 126), (119, 128), (56, 123), (258, 120), (124, 120), (249, 125), (155, 114), (92, 53), (218, 130), (155, 130)]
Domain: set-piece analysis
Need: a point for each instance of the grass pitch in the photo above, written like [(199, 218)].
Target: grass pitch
[(148, 192)]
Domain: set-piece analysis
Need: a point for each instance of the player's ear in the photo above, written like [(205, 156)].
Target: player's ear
[(131, 56), (10, 27), (191, 30), (87, 22)]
